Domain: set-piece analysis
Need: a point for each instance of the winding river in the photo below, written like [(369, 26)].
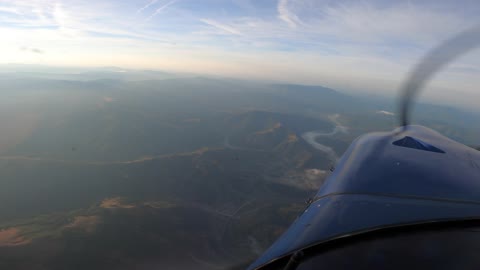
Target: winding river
[(311, 137)]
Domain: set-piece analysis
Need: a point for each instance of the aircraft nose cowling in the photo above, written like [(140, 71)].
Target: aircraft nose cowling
[(408, 176), (414, 161)]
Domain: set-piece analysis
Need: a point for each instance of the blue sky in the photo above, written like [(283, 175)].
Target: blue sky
[(352, 45)]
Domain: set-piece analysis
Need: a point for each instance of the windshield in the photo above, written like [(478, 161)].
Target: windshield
[(432, 248)]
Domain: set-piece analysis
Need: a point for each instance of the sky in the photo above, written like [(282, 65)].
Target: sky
[(350, 45)]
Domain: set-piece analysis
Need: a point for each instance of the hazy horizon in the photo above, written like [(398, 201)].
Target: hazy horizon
[(109, 72), (366, 46)]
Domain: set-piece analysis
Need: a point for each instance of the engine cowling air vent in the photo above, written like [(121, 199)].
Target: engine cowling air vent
[(410, 142)]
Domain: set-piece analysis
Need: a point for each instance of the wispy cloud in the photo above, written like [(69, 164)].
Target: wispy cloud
[(149, 4), (31, 49), (160, 9), (9, 10), (223, 27), (286, 15), (385, 113), (366, 22), (35, 50)]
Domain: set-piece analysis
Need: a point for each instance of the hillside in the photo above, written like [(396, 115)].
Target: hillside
[(113, 172)]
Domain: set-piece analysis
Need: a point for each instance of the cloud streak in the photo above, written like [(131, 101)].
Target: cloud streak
[(9, 10), (286, 15), (223, 27), (160, 9), (149, 4), (31, 49)]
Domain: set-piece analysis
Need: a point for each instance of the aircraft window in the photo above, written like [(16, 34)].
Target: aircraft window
[(417, 144), (438, 249)]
